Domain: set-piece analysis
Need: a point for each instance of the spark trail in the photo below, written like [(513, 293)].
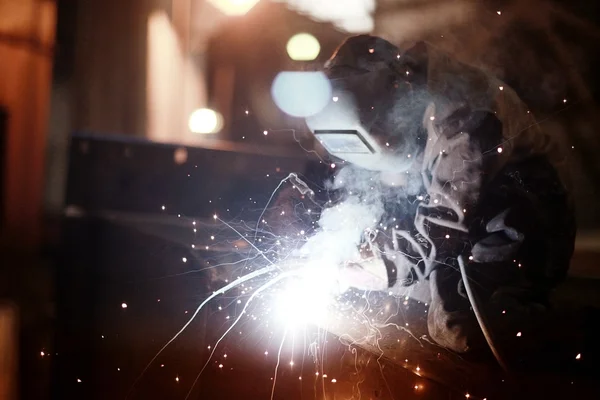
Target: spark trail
[(277, 365), (224, 289), (340, 232), (299, 184), (270, 283)]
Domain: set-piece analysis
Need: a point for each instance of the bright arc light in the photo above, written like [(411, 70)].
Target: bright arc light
[(234, 7), (303, 47), (205, 121), (308, 298), (301, 93)]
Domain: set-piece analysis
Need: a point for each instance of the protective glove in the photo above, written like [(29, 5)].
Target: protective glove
[(365, 274)]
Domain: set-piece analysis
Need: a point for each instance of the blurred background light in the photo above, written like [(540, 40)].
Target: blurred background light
[(303, 47), (301, 94), (234, 7), (205, 120), (180, 155), (353, 16)]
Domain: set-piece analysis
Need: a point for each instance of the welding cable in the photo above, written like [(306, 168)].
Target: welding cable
[(481, 320)]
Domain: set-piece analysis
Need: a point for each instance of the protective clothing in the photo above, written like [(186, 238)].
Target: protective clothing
[(491, 185)]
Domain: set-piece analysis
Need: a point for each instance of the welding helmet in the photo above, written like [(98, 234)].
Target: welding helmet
[(374, 118)]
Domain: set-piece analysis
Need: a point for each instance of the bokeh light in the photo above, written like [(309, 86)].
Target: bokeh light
[(234, 7), (180, 155), (301, 94), (303, 47), (307, 299), (205, 121)]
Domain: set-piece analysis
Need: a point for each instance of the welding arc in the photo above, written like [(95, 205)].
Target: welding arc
[(481, 320)]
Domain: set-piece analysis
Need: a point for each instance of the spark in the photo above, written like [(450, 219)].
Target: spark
[(315, 279), (578, 356), (123, 305), (237, 282), (277, 365), (223, 290)]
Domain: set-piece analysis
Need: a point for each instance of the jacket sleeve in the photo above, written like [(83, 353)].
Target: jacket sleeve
[(462, 152)]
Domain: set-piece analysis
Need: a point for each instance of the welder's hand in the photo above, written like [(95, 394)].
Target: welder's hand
[(365, 274)]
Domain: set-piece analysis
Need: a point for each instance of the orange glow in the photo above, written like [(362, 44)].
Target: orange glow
[(205, 120)]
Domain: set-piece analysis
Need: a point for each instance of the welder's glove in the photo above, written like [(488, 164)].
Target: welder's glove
[(367, 274)]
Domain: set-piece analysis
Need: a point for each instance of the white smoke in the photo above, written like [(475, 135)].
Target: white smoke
[(345, 225)]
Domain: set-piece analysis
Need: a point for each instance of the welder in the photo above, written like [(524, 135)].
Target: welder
[(485, 192)]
